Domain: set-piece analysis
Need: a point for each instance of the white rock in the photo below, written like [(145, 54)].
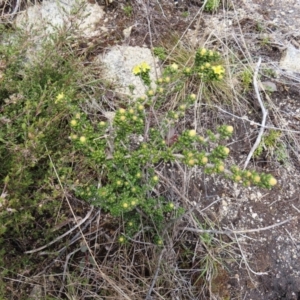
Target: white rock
[(120, 61), (269, 86), (127, 32), (291, 60), (50, 15)]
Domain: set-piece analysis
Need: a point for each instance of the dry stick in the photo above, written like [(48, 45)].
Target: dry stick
[(264, 111), (63, 235), (148, 296), (252, 122), (298, 210), (228, 231), (246, 262), (16, 8)]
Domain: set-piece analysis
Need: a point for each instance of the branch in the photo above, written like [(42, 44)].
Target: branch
[(63, 235), (228, 231), (264, 111)]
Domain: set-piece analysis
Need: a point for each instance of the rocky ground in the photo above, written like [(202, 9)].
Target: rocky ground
[(268, 255)]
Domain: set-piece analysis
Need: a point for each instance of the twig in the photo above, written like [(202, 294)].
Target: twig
[(246, 262), (16, 8), (298, 210), (65, 269), (158, 2), (229, 232), (148, 296), (250, 121), (264, 111), (63, 235)]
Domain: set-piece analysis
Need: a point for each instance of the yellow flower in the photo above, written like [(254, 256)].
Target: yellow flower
[(133, 202), (272, 181), (226, 150), (221, 168), (59, 97), (167, 79), (187, 70), (207, 65), (155, 178), (193, 96), (122, 111), (144, 67), (122, 118), (174, 67), (219, 70), (82, 139), (204, 160), (121, 239), (171, 205), (229, 129), (237, 178), (256, 179), (74, 136), (248, 174), (125, 205), (140, 107), (73, 122), (102, 123), (192, 133), (203, 51), (136, 70), (191, 162), (77, 116), (150, 93)]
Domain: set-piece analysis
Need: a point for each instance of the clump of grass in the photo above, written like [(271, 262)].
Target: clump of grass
[(128, 9), (212, 5), (273, 146), (246, 79)]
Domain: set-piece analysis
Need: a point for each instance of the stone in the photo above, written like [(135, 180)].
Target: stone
[(291, 60), (269, 86), (51, 15), (119, 63)]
